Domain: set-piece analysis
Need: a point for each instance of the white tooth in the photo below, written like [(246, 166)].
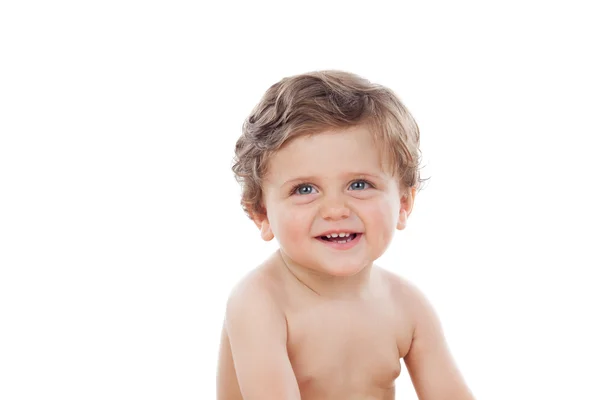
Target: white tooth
[(328, 236), (342, 234), (342, 241), (334, 235)]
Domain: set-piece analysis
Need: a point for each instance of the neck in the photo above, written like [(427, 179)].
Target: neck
[(324, 285)]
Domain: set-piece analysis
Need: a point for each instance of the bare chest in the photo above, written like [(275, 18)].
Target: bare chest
[(344, 347)]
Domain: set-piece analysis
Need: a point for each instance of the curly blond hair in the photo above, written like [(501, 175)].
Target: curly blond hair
[(317, 101)]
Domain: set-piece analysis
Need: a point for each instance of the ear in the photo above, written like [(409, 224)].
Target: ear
[(406, 206), (262, 222)]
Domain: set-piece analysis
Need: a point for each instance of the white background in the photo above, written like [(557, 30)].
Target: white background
[(120, 230)]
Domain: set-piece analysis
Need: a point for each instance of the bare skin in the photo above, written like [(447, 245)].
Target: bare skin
[(317, 320), (292, 342)]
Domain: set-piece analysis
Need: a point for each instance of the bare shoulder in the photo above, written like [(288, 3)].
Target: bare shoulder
[(404, 294), (398, 285), (255, 329), (260, 287), (430, 364), (412, 301), (254, 306)]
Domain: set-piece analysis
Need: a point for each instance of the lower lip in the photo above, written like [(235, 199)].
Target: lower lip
[(342, 246)]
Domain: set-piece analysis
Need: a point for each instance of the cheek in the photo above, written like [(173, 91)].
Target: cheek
[(382, 214), (291, 225), (380, 220)]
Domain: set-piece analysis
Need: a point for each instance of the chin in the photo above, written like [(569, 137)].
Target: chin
[(339, 269)]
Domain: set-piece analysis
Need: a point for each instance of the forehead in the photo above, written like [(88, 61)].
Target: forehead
[(327, 153)]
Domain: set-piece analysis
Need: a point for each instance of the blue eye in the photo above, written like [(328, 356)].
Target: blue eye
[(359, 185), (303, 189)]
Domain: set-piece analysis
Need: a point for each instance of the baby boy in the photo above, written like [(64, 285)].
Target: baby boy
[(329, 167)]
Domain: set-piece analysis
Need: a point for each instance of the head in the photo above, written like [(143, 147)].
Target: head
[(329, 152)]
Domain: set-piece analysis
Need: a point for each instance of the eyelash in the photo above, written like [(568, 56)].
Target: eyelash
[(298, 186)]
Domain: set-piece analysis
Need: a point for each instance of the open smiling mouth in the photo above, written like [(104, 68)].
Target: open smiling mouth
[(340, 238)]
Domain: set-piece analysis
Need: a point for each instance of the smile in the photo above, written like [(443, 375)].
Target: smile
[(340, 241), (339, 237)]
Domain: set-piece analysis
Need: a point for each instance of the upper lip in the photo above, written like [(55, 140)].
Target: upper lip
[(337, 231)]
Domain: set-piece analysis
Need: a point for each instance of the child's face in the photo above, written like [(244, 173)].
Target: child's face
[(332, 181)]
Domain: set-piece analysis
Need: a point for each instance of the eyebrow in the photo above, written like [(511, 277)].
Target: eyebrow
[(299, 179), (314, 178)]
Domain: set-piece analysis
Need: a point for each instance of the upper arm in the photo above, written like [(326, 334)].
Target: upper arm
[(431, 367), (227, 383), (257, 333)]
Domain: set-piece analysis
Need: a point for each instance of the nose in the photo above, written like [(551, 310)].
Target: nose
[(334, 208)]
